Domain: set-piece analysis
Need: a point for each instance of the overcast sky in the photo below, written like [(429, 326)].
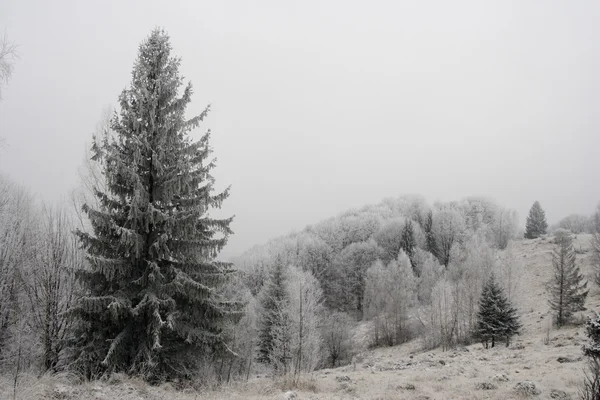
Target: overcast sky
[(320, 106)]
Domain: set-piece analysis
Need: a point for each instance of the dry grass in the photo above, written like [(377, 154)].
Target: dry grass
[(402, 372)]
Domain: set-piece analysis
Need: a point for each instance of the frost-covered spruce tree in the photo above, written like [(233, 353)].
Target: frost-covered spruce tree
[(272, 302), (536, 224), (496, 318), (568, 288), (153, 306)]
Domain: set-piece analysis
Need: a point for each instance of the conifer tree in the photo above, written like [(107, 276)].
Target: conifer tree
[(271, 316), (496, 318), (591, 384), (409, 244), (430, 235), (153, 306), (567, 288), (536, 222)]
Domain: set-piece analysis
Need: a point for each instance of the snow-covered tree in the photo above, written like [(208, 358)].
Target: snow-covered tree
[(429, 272), (272, 303), (591, 384), (337, 340), (289, 321), (305, 311), (389, 238), (430, 241), (595, 241), (496, 318), (50, 287), (568, 287), (8, 55), (390, 291), (409, 243), (151, 305), (350, 268), (536, 222), (448, 229)]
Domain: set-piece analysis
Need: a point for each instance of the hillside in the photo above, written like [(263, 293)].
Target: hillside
[(405, 372)]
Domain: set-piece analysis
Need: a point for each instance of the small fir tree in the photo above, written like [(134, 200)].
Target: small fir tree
[(496, 318), (568, 289), (536, 222), (152, 305)]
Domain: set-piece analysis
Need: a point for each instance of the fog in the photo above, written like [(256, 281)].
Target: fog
[(318, 107)]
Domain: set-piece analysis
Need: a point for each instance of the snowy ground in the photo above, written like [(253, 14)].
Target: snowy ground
[(404, 372)]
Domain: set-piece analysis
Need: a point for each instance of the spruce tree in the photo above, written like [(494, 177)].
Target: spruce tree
[(536, 222), (567, 288), (496, 318), (409, 244), (271, 317), (430, 235), (152, 305)]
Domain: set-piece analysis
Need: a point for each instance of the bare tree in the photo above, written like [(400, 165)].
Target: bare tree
[(17, 244), (448, 228), (50, 283), (441, 317), (595, 227), (8, 56), (336, 338), (390, 291)]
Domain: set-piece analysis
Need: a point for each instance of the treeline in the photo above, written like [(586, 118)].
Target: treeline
[(406, 267)]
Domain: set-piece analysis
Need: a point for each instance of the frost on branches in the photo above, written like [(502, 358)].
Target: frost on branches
[(153, 306)]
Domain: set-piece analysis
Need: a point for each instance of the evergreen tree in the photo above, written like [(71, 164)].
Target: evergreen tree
[(568, 288), (496, 318), (430, 235), (153, 306), (536, 222), (409, 244), (272, 320), (591, 384)]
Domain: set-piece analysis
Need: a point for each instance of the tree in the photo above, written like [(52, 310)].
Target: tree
[(50, 285), (496, 317), (8, 55), (429, 272), (409, 244), (152, 305), (305, 310), (448, 228), (17, 250), (575, 223), (271, 305), (389, 238), (536, 222), (591, 384), (595, 226), (431, 245), (567, 288), (337, 341), (351, 266), (390, 291)]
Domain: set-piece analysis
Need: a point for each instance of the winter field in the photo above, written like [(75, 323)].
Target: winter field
[(549, 358)]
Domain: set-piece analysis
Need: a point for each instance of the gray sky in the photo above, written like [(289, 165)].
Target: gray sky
[(320, 106)]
